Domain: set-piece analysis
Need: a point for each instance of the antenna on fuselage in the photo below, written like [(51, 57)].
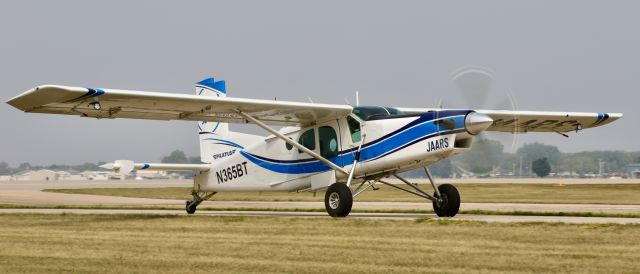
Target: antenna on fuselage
[(357, 99)]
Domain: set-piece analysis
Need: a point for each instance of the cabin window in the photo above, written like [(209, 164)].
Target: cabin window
[(328, 142), (308, 139), (289, 146), (354, 129)]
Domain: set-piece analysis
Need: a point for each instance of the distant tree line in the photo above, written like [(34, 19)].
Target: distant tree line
[(176, 156), (6, 169), (488, 156), (179, 157)]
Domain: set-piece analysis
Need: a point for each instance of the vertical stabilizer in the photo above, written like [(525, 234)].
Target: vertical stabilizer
[(213, 135), (216, 141)]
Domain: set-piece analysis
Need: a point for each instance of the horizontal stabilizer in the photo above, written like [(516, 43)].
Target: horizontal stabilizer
[(126, 166)]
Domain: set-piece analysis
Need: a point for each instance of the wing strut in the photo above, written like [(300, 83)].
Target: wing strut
[(355, 161), (292, 142)]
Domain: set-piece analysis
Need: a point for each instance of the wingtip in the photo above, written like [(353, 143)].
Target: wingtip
[(14, 101), (41, 95), (616, 115), (607, 119)]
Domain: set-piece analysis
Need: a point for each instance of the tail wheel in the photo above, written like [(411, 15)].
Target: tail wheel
[(338, 200), (450, 201)]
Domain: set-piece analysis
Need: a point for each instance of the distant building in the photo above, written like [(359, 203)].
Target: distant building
[(633, 171), (150, 174), (37, 175), (22, 175), (62, 175), (50, 175), (73, 177), (96, 175)]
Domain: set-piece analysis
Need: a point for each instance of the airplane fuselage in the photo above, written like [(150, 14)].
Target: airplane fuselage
[(390, 144)]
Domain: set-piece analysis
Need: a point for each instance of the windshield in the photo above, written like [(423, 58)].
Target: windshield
[(368, 112)]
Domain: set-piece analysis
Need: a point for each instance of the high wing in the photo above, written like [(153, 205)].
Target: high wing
[(539, 121), (170, 106)]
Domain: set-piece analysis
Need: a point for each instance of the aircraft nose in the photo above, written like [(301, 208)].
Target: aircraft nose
[(475, 122)]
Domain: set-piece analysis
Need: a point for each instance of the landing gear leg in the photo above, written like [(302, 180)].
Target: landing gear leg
[(446, 199), (338, 200), (198, 197)]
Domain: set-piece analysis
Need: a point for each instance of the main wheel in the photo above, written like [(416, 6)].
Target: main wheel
[(191, 207), (338, 200), (450, 203)]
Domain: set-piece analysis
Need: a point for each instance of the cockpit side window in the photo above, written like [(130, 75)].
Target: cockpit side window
[(354, 129), (367, 113), (393, 111)]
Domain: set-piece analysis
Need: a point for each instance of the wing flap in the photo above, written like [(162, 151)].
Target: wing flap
[(170, 106)]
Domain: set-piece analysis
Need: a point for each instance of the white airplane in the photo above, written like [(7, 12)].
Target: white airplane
[(323, 147)]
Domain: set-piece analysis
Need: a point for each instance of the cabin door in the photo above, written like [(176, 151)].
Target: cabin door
[(350, 134), (329, 142)]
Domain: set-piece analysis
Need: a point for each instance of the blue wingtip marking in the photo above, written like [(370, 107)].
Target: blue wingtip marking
[(605, 116), (145, 166), (90, 93), (601, 118), (211, 83)]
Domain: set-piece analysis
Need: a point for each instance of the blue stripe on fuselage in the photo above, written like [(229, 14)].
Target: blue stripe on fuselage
[(417, 130), (225, 142)]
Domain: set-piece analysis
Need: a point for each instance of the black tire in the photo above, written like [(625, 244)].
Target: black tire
[(191, 207), (451, 201), (338, 200)]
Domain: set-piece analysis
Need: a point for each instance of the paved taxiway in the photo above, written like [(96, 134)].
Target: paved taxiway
[(380, 216), (30, 193)]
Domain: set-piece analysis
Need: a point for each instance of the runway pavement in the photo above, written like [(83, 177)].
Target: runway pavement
[(30, 193), (379, 216)]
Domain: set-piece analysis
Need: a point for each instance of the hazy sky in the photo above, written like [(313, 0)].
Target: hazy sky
[(549, 55)]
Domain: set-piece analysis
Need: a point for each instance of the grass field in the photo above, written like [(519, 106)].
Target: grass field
[(478, 193), (187, 244)]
